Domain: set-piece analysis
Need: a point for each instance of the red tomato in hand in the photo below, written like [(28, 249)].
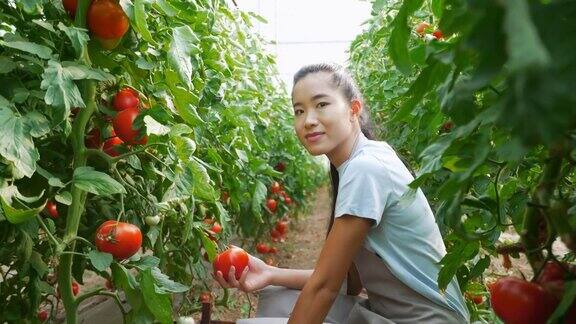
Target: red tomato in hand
[(216, 228), (110, 146), (123, 123), (70, 7), (282, 227), (517, 301), (126, 98), (122, 240), (262, 248), (234, 256), (275, 188), (52, 209), (421, 28), (42, 315), (107, 20), (271, 204)]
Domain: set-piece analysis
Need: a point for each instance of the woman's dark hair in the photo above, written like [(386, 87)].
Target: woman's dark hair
[(343, 81)]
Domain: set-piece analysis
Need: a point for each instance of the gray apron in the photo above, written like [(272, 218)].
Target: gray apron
[(389, 301)]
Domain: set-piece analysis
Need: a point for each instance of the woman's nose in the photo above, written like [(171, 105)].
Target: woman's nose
[(311, 120)]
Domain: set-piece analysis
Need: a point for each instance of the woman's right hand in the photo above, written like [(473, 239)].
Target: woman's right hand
[(255, 276)]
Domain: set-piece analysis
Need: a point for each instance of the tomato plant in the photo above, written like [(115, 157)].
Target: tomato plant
[(234, 256), (198, 67), (271, 204)]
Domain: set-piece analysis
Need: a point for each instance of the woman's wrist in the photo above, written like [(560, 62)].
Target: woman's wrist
[(272, 275)]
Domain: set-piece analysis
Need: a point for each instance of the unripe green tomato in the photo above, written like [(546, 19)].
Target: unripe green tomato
[(152, 220)]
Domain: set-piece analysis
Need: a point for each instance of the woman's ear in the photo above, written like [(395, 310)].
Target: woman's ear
[(355, 108)]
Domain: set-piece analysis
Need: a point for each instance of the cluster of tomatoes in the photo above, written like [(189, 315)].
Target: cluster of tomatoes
[(277, 193), (426, 31), (126, 103), (106, 20), (517, 301)]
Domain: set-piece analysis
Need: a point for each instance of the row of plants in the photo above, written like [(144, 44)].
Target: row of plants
[(138, 137), (478, 97)]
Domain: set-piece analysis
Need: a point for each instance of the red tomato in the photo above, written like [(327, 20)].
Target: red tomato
[(52, 209), (75, 288), (282, 227), (216, 228), (123, 123), (476, 299), (517, 301), (107, 20), (288, 200), (275, 234), (271, 204), (122, 240), (42, 315), (273, 250), (93, 139), (421, 28), (70, 7), (126, 98), (110, 146), (552, 272), (262, 248), (447, 127), (275, 188), (234, 256), (280, 167), (438, 34)]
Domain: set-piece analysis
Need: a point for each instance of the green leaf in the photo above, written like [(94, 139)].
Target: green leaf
[(526, 49), (182, 46), (100, 260), (16, 216), (185, 147), (398, 42), (64, 197), (154, 127), (37, 124), (259, 192), (17, 145), (140, 21), (165, 284), (40, 50), (202, 183), (158, 303), (148, 261), (78, 36), (38, 264), (6, 65), (438, 8), (98, 183), (208, 244)]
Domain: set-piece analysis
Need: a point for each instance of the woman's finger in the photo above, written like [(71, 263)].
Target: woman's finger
[(243, 285), (232, 277), (220, 278)]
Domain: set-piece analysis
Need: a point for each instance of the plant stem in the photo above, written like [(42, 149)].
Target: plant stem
[(530, 234)]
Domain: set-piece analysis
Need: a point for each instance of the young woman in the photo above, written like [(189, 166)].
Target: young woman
[(393, 249)]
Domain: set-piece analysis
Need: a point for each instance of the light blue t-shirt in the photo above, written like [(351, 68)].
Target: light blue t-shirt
[(404, 235)]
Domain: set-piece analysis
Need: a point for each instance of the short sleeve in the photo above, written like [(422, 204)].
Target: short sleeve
[(364, 190)]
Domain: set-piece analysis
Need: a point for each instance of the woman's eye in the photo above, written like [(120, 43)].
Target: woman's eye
[(298, 112), (322, 104)]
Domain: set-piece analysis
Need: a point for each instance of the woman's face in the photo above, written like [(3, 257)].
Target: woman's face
[(323, 119)]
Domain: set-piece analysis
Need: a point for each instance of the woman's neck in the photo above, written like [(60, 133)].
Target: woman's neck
[(342, 152)]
